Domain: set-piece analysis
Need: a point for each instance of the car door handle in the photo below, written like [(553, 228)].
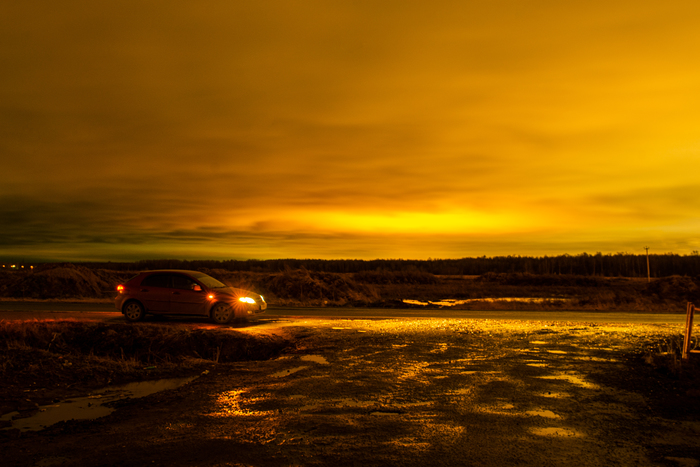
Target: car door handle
[(176, 293)]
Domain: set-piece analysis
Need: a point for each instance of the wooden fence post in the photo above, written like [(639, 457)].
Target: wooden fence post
[(690, 311)]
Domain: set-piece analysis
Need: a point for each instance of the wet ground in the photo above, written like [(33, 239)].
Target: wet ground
[(408, 392)]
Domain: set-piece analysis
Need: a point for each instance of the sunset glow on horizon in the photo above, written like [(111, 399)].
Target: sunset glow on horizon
[(328, 129)]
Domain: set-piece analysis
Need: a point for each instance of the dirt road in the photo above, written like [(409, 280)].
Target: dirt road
[(408, 392), (104, 310)]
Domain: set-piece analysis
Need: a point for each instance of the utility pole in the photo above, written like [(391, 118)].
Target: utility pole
[(648, 273)]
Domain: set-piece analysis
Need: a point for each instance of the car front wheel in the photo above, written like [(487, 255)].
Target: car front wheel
[(133, 311), (222, 313)]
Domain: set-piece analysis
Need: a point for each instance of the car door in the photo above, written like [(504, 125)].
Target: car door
[(155, 291), (187, 297)]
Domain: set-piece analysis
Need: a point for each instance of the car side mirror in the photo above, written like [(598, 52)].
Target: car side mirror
[(196, 288)]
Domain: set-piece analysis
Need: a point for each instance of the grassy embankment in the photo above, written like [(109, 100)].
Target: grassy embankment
[(51, 355), (388, 289)]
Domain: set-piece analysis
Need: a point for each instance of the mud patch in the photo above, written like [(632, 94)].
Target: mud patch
[(90, 407)]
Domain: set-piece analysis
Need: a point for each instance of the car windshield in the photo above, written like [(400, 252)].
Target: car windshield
[(209, 281)]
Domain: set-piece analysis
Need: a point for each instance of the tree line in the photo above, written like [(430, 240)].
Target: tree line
[(609, 265)]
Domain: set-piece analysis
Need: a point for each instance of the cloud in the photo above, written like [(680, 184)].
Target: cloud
[(355, 129)]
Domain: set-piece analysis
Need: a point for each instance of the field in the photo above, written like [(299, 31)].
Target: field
[(389, 289)]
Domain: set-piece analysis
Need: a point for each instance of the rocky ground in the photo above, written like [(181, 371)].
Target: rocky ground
[(405, 392)]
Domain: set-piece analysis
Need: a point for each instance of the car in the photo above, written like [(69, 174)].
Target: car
[(182, 292)]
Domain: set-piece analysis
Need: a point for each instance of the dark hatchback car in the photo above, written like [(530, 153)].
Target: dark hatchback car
[(180, 292)]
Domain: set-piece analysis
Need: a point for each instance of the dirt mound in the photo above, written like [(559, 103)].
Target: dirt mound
[(320, 287), (57, 281)]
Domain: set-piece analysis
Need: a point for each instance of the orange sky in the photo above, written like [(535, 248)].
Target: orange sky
[(337, 129)]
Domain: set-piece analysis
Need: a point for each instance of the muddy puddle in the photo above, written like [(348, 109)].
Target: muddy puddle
[(305, 358), (454, 302), (90, 407)]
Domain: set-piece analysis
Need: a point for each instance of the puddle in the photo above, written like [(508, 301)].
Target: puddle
[(452, 302), (283, 373), (92, 406), (573, 379), (239, 403), (542, 413), (315, 359), (597, 359), (555, 395), (556, 431)]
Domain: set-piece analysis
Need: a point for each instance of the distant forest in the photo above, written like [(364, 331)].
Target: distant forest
[(611, 265)]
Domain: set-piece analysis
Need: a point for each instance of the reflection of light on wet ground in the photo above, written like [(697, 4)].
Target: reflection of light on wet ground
[(573, 379), (542, 413), (288, 371), (556, 431), (452, 302), (555, 395), (306, 358), (413, 372), (315, 359), (230, 403), (91, 407), (499, 409), (596, 359), (441, 348)]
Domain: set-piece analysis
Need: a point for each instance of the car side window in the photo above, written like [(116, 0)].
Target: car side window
[(182, 282), (156, 280)]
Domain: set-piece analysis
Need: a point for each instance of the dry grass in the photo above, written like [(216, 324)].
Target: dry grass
[(385, 288), (57, 354)]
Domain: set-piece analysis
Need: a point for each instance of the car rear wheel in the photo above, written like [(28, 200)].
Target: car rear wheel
[(222, 313), (133, 311)]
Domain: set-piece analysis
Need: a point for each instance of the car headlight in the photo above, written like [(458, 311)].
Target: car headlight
[(247, 300)]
